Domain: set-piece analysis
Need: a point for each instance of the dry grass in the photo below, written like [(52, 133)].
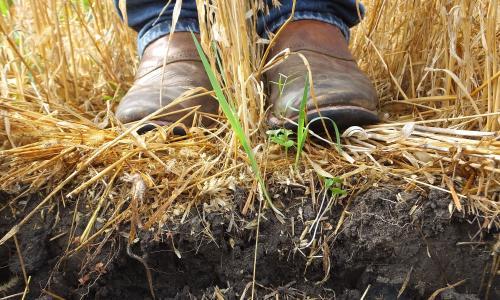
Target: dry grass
[(65, 66)]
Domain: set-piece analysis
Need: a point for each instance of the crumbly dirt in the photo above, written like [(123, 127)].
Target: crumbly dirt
[(391, 243)]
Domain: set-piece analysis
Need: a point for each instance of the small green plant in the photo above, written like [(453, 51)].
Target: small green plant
[(301, 129), (233, 119), (281, 137), (335, 127), (334, 185)]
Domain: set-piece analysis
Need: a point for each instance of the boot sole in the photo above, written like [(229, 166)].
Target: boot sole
[(343, 116)]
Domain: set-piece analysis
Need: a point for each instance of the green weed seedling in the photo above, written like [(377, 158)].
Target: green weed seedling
[(281, 137), (334, 185), (233, 119), (301, 129)]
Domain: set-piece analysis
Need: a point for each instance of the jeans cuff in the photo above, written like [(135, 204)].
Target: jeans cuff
[(163, 28), (317, 16)]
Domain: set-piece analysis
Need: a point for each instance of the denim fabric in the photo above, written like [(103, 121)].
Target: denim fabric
[(152, 20), (341, 13)]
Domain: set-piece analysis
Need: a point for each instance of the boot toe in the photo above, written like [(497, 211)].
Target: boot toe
[(134, 112)]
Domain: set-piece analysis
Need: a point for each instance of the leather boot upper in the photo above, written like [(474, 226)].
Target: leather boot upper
[(156, 85), (340, 86)]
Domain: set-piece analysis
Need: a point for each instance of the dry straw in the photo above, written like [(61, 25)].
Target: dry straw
[(65, 65)]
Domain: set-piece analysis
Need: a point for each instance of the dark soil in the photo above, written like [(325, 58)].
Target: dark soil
[(390, 239)]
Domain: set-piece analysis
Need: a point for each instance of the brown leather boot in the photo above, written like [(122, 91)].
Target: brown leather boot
[(183, 71), (343, 92)]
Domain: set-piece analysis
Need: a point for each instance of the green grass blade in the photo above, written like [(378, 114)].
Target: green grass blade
[(234, 121), (301, 132), (4, 7), (335, 127), (219, 65), (337, 135)]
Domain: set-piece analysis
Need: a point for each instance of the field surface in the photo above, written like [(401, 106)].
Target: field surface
[(406, 209)]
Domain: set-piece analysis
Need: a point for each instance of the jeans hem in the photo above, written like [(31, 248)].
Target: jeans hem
[(163, 28), (317, 16)]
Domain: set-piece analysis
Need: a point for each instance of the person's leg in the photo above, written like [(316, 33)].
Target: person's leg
[(152, 20), (319, 31), (340, 13), (154, 86)]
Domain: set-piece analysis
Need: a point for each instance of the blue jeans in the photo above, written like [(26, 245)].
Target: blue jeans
[(152, 20)]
